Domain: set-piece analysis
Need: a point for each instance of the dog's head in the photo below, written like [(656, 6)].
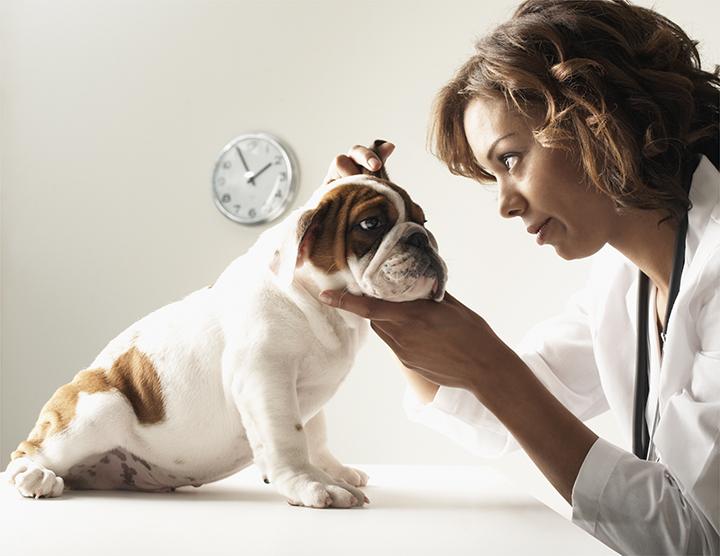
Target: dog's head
[(365, 235)]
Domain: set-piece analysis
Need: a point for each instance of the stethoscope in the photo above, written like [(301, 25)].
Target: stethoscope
[(641, 434)]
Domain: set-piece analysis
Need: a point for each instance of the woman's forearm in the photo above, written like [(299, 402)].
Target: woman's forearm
[(549, 433), (554, 438)]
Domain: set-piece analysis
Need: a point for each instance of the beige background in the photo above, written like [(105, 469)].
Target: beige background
[(112, 115)]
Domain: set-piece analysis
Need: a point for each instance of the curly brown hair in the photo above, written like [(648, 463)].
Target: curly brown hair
[(619, 83)]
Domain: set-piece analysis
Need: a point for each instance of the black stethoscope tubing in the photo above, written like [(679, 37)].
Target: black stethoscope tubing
[(641, 435)]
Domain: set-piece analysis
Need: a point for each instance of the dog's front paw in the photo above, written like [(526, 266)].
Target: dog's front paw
[(316, 489), (32, 480), (332, 466), (350, 475)]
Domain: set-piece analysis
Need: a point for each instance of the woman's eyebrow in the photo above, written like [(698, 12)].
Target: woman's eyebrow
[(491, 150)]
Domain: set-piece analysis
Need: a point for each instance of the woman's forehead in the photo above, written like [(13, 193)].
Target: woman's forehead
[(489, 120), (494, 111)]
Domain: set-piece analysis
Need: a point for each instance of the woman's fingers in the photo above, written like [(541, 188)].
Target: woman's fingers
[(366, 307), (357, 158)]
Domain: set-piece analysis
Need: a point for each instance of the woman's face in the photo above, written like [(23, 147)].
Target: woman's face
[(544, 187)]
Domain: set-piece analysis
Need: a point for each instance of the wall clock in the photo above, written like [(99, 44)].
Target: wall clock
[(254, 179)]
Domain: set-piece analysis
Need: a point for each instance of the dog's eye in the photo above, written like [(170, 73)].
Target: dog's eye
[(371, 224)]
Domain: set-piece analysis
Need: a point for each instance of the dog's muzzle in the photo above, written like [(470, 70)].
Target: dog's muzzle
[(406, 266)]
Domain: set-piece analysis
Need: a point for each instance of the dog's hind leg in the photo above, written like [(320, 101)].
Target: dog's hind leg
[(82, 419)]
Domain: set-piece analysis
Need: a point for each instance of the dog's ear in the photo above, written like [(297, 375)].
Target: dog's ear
[(296, 244), (382, 172)]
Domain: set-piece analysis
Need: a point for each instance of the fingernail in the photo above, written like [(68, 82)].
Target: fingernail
[(325, 298), (374, 164)]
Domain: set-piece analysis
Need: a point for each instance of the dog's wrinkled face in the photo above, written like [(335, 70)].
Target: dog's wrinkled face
[(371, 234)]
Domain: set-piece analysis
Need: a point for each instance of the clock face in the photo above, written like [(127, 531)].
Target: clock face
[(254, 179)]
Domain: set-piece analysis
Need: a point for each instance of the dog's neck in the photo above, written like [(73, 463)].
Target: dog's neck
[(332, 327), (314, 280)]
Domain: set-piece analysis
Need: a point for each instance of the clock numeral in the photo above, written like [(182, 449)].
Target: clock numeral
[(278, 160), (221, 181), (237, 208), (282, 176), (227, 164), (252, 213), (226, 198)]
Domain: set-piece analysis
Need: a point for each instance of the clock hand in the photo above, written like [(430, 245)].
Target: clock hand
[(242, 159), (261, 171), (249, 176)]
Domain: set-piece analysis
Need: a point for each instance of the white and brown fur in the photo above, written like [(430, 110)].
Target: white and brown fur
[(238, 373)]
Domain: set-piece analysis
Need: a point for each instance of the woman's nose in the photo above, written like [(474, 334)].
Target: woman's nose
[(510, 202)]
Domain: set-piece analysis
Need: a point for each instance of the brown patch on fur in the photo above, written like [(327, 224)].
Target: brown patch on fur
[(330, 232), (414, 211), (298, 427), (333, 231), (57, 413), (132, 374), (361, 242), (329, 226)]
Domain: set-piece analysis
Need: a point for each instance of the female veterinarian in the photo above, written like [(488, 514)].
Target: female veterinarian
[(600, 130)]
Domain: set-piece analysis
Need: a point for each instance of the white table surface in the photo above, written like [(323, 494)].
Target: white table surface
[(414, 510)]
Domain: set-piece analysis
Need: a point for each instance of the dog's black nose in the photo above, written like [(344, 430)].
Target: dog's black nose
[(419, 240)]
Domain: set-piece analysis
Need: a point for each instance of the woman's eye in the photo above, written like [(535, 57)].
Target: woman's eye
[(510, 160), (371, 223)]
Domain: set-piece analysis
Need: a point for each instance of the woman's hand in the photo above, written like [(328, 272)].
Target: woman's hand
[(357, 158), (445, 343)]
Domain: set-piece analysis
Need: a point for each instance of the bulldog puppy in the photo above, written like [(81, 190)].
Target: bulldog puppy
[(238, 372)]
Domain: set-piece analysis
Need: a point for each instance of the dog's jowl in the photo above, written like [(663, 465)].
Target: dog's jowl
[(238, 373)]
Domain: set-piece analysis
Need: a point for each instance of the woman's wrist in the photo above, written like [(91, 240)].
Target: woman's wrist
[(423, 388)]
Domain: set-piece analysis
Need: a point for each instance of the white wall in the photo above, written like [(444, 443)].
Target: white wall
[(113, 113)]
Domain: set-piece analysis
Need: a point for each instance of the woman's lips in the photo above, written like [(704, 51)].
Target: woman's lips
[(540, 231)]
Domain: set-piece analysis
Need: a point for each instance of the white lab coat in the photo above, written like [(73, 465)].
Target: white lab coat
[(586, 358)]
